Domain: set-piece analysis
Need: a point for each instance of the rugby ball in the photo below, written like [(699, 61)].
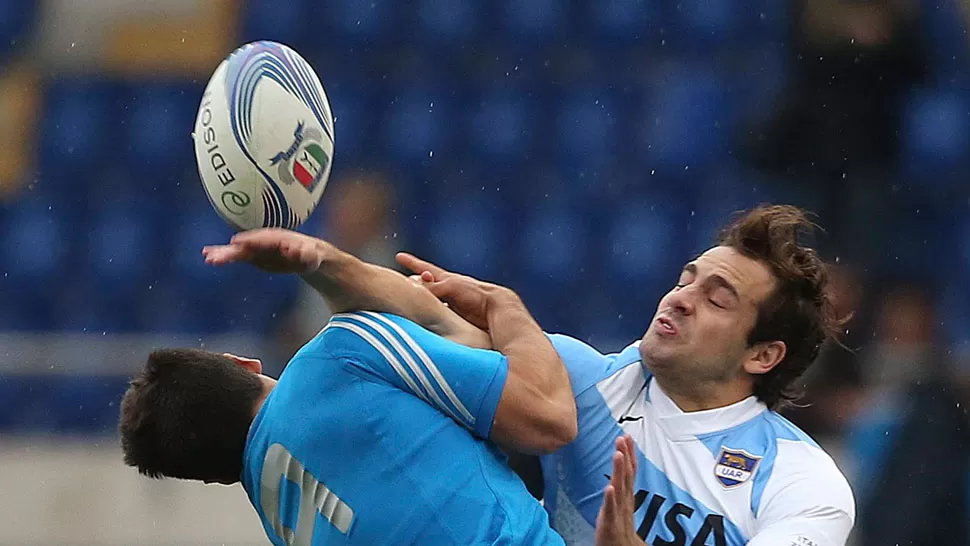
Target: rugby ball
[(264, 138)]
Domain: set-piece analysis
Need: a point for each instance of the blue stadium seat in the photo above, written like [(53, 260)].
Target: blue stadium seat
[(26, 403), (935, 133), (287, 22), (16, 17), (646, 241), (353, 102), (87, 404), (535, 21), (502, 127), (203, 288), (122, 251), (686, 120), (945, 33), (587, 125), (619, 22), (35, 248), (701, 24), (466, 237), (355, 22), (77, 132), (418, 124), (160, 118), (443, 22), (553, 244)]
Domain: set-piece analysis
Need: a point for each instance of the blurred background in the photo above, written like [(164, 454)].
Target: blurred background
[(578, 151)]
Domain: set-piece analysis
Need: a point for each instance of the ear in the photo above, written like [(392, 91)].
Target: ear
[(765, 357), (252, 364)]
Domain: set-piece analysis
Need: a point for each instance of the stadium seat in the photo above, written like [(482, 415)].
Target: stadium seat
[(26, 404), (944, 30), (534, 21), (645, 240), (466, 237), (686, 119), (418, 124), (87, 404), (78, 131), (359, 23), (203, 288), (158, 129), (35, 247), (16, 17), (587, 124), (553, 244), (285, 22), (619, 22), (445, 22), (699, 25), (935, 133), (121, 249), (352, 101), (501, 127)]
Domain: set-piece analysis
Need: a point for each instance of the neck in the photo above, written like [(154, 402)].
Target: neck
[(268, 384), (693, 397)]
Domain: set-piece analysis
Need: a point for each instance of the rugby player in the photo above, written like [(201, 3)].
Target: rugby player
[(699, 394), (378, 430)]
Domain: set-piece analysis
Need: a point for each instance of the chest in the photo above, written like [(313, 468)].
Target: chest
[(680, 498)]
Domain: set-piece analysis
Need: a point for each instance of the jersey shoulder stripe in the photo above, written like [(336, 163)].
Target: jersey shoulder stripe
[(404, 355), (586, 365)]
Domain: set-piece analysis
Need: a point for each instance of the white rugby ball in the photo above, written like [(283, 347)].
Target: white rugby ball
[(264, 138)]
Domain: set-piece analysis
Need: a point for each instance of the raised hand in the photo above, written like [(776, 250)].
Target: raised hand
[(273, 250), (614, 523), (467, 296)]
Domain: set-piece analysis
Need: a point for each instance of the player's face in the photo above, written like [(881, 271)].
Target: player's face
[(701, 326)]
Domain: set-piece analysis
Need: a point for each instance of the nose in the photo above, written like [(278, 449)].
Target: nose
[(682, 300)]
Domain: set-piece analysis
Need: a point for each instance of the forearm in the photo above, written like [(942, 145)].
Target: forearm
[(538, 386), (349, 284)]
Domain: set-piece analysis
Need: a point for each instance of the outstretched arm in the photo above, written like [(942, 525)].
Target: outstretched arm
[(538, 400), (345, 282)]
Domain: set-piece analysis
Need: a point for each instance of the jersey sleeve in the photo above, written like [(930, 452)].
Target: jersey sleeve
[(461, 382), (805, 508), (587, 366)]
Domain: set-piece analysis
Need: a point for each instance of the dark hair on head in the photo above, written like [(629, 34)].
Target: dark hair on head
[(187, 415), (799, 311)]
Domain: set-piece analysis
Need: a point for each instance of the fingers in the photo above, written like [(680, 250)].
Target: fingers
[(417, 265), (610, 511), (225, 254)]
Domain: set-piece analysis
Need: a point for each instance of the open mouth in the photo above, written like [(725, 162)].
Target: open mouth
[(666, 326)]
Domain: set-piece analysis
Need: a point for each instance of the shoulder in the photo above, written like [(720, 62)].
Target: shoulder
[(586, 365), (347, 335), (804, 478)]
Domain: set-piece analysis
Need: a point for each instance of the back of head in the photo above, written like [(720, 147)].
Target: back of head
[(187, 415), (799, 312)]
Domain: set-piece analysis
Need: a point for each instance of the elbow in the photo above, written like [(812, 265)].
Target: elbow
[(557, 427)]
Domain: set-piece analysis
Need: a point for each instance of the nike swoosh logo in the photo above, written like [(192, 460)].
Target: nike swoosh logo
[(626, 418)]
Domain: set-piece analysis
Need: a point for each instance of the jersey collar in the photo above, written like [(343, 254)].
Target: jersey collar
[(681, 425)]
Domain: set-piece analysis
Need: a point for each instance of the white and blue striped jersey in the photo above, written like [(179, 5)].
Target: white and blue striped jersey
[(730, 476), (377, 434)]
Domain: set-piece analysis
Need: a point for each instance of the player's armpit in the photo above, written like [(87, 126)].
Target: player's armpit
[(529, 470)]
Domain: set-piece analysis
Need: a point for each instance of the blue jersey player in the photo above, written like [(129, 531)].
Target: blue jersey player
[(378, 431)]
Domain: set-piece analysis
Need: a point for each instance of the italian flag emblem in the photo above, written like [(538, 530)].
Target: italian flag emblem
[(309, 164)]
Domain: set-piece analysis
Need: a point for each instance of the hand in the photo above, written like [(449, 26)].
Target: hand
[(467, 296), (273, 250), (614, 524)]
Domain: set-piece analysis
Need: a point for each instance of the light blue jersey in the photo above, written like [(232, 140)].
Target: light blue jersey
[(358, 444), (730, 476)]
